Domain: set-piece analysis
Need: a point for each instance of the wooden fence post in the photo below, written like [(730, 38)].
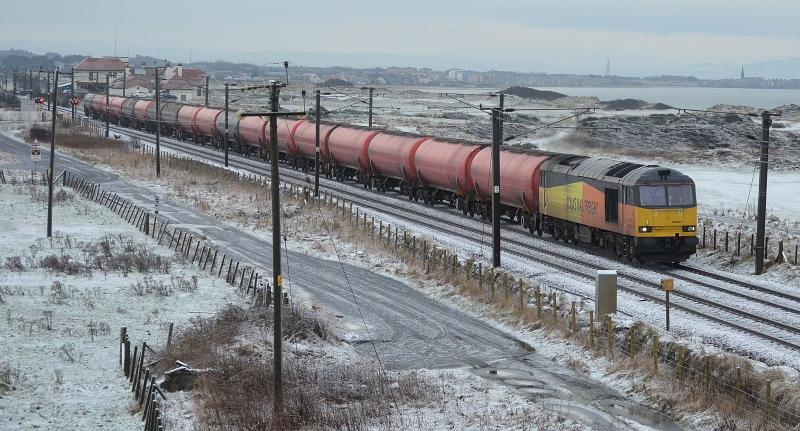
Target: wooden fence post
[(655, 354), (538, 294), (574, 320)]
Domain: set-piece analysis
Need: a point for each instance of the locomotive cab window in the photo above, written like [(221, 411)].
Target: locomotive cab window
[(678, 195), (612, 207), (652, 196)]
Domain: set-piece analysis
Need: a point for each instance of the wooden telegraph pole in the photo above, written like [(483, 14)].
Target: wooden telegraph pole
[(51, 173), (316, 150), (497, 139), (277, 277), (766, 122), (206, 91), (370, 106), (225, 144), (107, 107)]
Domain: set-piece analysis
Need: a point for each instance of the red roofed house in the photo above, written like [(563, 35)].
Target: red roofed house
[(188, 85), (90, 74)]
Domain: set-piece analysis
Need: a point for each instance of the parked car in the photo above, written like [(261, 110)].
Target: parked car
[(168, 96)]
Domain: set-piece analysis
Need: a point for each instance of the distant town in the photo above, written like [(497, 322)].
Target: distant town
[(134, 76)]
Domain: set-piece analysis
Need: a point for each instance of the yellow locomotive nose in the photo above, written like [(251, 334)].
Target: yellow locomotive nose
[(666, 222)]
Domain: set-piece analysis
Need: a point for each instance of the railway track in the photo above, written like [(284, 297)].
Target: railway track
[(734, 317)]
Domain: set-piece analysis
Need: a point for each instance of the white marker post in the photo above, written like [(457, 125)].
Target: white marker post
[(36, 154)]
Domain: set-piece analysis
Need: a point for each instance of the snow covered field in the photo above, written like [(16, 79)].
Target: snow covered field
[(60, 331)]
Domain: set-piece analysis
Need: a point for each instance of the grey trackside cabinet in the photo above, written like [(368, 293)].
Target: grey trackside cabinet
[(605, 293)]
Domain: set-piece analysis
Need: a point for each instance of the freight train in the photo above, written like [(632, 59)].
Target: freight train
[(641, 212)]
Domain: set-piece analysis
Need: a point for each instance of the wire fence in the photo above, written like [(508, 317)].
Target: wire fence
[(739, 243)]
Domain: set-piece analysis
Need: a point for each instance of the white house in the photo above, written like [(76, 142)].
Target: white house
[(90, 74)]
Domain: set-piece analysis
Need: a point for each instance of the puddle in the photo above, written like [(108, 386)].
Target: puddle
[(524, 382), (643, 415), (503, 373), (578, 398)]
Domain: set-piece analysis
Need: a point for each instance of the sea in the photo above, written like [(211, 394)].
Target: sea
[(678, 97), (689, 97)]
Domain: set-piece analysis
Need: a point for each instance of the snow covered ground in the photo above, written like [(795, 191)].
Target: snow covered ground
[(60, 332)]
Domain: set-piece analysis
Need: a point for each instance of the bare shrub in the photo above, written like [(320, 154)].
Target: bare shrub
[(58, 294), (103, 329), (10, 377), (92, 327), (184, 284), (59, 376), (148, 285), (87, 300), (63, 264), (40, 133), (47, 319), (127, 256), (68, 353), (62, 196), (14, 264)]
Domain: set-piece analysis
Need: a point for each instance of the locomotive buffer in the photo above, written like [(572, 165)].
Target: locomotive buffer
[(277, 277)]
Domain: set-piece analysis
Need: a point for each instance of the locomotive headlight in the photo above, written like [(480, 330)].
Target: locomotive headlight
[(689, 228), (645, 229)]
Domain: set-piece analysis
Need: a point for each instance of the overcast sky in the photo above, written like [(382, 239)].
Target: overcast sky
[(640, 37)]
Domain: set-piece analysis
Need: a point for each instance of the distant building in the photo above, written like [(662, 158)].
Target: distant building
[(187, 84), (133, 85), (90, 74), (455, 75), (742, 75)]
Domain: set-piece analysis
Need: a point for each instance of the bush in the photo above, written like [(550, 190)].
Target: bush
[(38, 132), (14, 264), (63, 264), (62, 196)]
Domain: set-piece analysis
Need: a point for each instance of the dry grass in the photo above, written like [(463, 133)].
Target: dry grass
[(237, 392)]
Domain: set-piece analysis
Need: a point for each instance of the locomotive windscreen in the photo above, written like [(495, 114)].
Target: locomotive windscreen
[(681, 195)]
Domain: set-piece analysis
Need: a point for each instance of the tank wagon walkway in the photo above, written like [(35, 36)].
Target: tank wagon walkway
[(411, 330)]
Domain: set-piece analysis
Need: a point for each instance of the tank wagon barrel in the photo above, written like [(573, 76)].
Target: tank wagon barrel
[(252, 131), (519, 179), (349, 152), (443, 168)]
